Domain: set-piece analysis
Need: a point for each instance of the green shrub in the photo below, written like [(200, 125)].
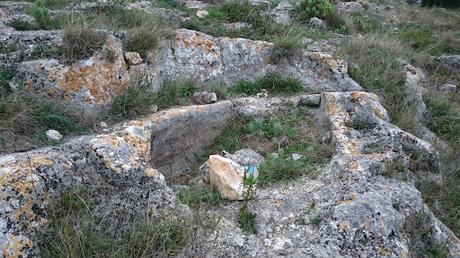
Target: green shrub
[(272, 83), (247, 220), (233, 11), (44, 50), (366, 23), (314, 8), (175, 93), (441, 3), (42, 15), (51, 117)]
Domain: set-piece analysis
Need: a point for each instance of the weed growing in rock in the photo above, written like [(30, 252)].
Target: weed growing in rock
[(44, 50), (286, 45), (272, 83), (247, 220), (79, 41), (194, 197), (281, 168), (6, 74)]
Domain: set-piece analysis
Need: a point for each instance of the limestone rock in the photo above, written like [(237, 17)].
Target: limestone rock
[(53, 135), (350, 7), (202, 13), (281, 13), (450, 62), (448, 88), (227, 176), (95, 81), (317, 23), (204, 97), (310, 100), (296, 156), (245, 157), (133, 58)]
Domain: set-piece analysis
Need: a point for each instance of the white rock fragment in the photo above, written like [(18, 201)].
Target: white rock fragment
[(447, 88), (53, 135), (202, 13), (133, 58)]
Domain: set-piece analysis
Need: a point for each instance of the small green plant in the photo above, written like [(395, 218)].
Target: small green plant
[(141, 40), (175, 93), (247, 220), (51, 117), (272, 83), (110, 55), (419, 38), (314, 8), (366, 23)]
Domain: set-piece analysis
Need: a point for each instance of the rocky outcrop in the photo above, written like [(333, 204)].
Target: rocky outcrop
[(363, 204), (450, 62), (205, 59), (190, 55)]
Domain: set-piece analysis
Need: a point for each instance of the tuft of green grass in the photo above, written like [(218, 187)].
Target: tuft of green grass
[(194, 197), (51, 117), (44, 50), (281, 168), (316, 221), (286, 45), (175, 93), (247, 220), (272, 82)]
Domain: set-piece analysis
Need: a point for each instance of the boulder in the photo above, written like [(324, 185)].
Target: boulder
[(204, 97), (316, 23), (227, 176), (310, 100), (281, 13), (202, 13), (53, 135), (350, 7), (133, 58), (448, 88), (450, 61)]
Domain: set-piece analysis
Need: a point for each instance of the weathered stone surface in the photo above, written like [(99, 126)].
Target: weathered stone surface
[(227, 176), (450, 62), (449, 88), (415, 80), (202, 13), (114, 167), (316, 23), (201, 58), (53, 135), (310, 100), (204, 97), (133, 58), (361, 205), (245, 157), (350, 7), (95, 81), (281, 13)]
